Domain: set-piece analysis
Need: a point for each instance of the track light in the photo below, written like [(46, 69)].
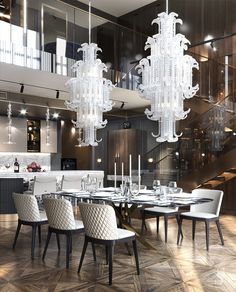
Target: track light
[(57, 94), (22, 88), (122, 105), (213, 47)]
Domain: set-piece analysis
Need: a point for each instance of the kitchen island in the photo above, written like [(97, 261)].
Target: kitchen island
[(14, 182)]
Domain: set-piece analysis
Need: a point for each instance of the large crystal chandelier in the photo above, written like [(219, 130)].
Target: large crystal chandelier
[(167, 76), (89, 92)]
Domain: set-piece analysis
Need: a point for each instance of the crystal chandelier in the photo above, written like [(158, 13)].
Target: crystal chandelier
[(167, 76), (48, 127), (9, 126), (215, 123), (89, 92)]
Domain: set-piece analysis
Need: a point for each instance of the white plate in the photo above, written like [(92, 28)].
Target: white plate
[(108, 189), (73, 191), (143, 198), (103, 194), (146, 192)]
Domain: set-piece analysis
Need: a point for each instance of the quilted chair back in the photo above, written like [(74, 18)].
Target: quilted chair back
[(71, 182), (212, 207), (60, 213), (45, 184), (26, 207), (99, 221)]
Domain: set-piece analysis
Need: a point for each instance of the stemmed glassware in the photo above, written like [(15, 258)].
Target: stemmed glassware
[(172, 184), (134, 190), (91, 185), (156, 185)]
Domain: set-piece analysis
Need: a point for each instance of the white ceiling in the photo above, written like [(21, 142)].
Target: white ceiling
[(117, 7)]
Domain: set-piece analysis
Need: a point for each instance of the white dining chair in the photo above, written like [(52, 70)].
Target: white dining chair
[(101, 228), (164, 212), (61, 221), (71, 182), (44, 185), (206, 212), (29, 214)]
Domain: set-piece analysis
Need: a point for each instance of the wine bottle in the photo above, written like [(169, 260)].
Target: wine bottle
[(16, 166)]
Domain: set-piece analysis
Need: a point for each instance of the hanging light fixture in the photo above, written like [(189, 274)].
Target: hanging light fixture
[(47, 126), (215, 122), (89, 92), (9, 127), (167, 76)]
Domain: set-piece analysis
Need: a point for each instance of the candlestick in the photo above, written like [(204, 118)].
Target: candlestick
[(130, 169), (139, 176), (122, 174), (115, 174)]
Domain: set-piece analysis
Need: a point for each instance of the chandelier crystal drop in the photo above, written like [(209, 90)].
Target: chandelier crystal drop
[(89, 92), (9, 127), (167, 76), (48, 127)]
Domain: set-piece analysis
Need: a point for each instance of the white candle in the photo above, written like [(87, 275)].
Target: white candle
[(122, 173), (130, 168), (139, 176), (115, 174)]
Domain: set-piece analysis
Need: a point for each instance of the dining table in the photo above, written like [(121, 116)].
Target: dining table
[(126, 205)]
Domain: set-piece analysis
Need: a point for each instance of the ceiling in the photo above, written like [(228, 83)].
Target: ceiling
[(117, 8)]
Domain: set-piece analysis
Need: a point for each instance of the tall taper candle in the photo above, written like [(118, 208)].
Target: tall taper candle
[(122, 173), (139, 176), (130, 169), (115, 174)]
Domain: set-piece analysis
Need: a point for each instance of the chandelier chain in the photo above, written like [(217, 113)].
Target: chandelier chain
[(89, 22)]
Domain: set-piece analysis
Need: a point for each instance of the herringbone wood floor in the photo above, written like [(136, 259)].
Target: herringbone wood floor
[(188, 267)]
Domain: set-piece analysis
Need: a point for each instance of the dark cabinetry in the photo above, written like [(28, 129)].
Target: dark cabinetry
[(7, 187), (123, 142), (33, 136)]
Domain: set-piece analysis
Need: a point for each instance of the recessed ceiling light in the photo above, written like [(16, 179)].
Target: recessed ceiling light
[(23, 111), (55, 115)]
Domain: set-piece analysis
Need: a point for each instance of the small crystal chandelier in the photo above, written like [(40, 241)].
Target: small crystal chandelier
[(167, 76), (9, 127), (47, 126), (89, 92), (215, 123)]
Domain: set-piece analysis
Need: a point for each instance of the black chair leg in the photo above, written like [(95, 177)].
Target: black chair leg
[(58, 242), (220, 232), (178, 223), (136, 255), (106, 255), (193, 228), (68, 249), (17, 233), (94, 252), (83, 253), (179, 229), (110, 256), (70, 244), (143, 222), (46, 244), (157, 220), (34, 230), (166, 227), (207, 234), (39, 233)]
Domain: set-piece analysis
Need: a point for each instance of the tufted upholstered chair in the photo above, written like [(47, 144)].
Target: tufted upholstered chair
[(101, 228), (206, 212), (61, 221), (162, 212), (29, 214)]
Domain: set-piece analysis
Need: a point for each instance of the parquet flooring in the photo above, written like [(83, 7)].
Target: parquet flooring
[(188, 267)]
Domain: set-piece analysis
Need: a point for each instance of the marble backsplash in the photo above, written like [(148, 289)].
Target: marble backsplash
[(7, 160)]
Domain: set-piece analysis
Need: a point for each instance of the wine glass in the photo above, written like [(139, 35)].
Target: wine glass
[(172, 184), (134, 190), (156, 185)]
